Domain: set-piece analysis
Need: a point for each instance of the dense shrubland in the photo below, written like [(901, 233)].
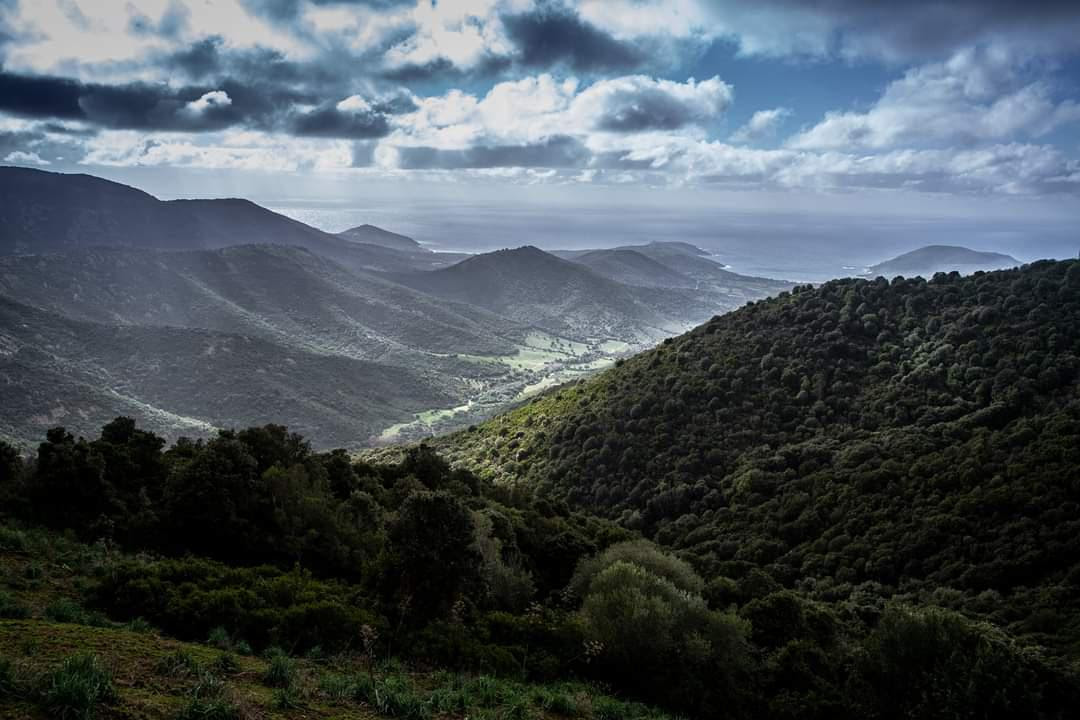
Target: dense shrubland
[(858, 442), (860, 502)]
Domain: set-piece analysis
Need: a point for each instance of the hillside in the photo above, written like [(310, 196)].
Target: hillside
[(862, 441), (941, 258), (285, 294), (377, 236), (632, 268), (59, 371), (533, 287), (675, 265), (45, 212)]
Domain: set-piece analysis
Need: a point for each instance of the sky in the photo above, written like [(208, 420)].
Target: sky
[(967, 110)]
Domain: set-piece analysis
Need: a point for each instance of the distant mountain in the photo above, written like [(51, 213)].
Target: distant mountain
[(59, 371), (285, 294), (632, 268), (96, 262), (377, 236), (531, 286), (44, 212), (674, 265), (941, 258)]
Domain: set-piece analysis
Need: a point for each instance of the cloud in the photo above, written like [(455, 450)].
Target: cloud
[(20, 157), (910, 31), (358, 120), (553, 35), (976, 95), (174, 21), (559, 151), (761, 125), (637, 103)]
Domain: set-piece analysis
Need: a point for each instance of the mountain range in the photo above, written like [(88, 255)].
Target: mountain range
[(452, 337)]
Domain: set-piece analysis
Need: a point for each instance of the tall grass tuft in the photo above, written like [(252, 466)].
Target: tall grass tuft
[(179, 663), (209, 700), (281, 671), (76, 689)]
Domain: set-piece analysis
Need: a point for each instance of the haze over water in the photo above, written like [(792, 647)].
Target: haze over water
[(797, 245)]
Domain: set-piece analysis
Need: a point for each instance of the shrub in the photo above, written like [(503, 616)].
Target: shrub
[(76, 689), (935, 663), (139, 625), (12, 609), (226, 664), (219, 638), (66, 610), (645, 555), (7, 677)]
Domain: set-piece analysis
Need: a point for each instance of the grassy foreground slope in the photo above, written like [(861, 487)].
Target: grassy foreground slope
[(860, 442), (61, 660)]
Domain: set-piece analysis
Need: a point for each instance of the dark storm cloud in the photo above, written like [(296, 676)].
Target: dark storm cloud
[(141, 106), (444, 71), (333, 123), (646, 108), (210, 58), (920, 27), (555, 35), (557, 152), (288, 10)]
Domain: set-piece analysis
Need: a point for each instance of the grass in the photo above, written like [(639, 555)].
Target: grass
[(76, 689), (210, 699), (281, 670)]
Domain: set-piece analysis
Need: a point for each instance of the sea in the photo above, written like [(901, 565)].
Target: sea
[(802, 246)]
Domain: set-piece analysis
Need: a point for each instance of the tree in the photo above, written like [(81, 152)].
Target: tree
[(432, 541)]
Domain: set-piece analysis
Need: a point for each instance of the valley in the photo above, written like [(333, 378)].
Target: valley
[(238, 296)]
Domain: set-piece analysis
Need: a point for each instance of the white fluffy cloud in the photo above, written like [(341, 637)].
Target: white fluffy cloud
[(762, 124), (209, 101), (976, 95)]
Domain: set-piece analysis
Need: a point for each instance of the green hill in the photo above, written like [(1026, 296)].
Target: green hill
[(860, 442)]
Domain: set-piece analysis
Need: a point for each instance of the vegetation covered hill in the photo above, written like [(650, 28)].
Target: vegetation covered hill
[(55, 370), (858, 442), (285, 294), (675, 265), (632, 268), (942, 258), (254, 543), (377, 236), (531, 286)]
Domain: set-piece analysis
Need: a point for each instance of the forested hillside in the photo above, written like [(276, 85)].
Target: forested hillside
[(334, 588), (861, 441)]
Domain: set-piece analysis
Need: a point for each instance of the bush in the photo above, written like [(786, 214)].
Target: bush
[(936, 663), (76, 689), (66, 610), (645, 555), (12, 609), (7, 678)]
